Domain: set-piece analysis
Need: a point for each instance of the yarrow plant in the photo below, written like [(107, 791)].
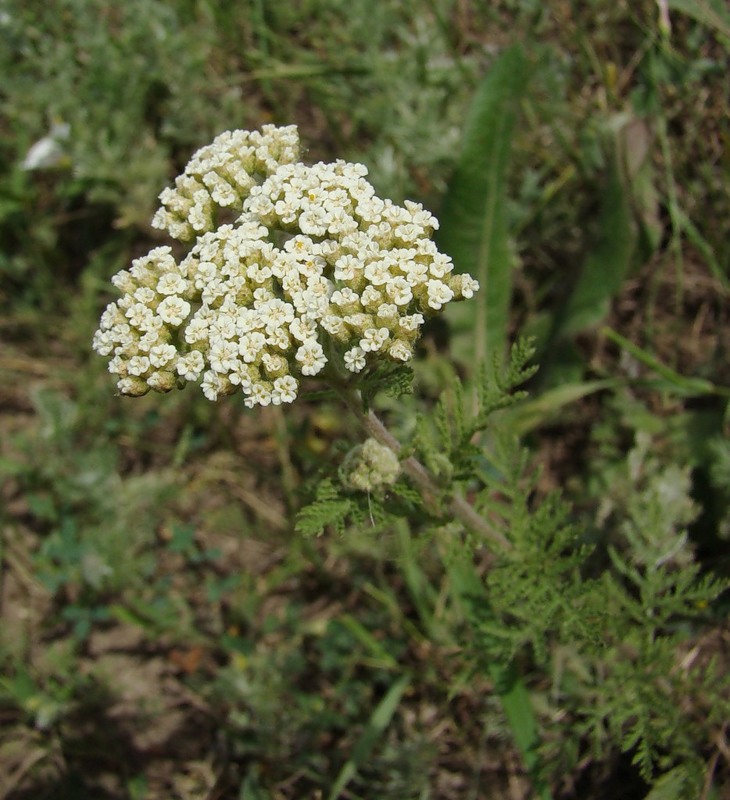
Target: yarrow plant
[(292, 271), (285, 271)]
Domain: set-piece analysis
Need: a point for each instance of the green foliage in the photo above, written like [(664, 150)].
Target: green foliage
[(474, 220), (319, 679), (329, 508), (336, 507), (620, 605), (96, 528), (394, 380), (377, 723), (619, 602), (447, 439), (711, 13), (625, 624), (146, 553), (608, 263), (444, 442), (720, 479), (42, 699), (129, 81), (559, 603), (676, 383)]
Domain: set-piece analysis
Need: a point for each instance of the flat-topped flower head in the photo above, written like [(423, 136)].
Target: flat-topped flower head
[(310, 271)]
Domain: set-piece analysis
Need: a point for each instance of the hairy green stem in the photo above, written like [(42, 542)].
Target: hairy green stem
[(421, 477)]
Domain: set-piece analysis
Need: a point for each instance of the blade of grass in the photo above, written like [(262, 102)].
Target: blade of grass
[(473, 219), (679, 383), (390, 601), (375, 728), (286, 72), (698, 240), (422, 593), (528, 415), (712, 13), (380, 657)]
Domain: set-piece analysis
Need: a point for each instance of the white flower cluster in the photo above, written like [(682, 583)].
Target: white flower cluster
[(315, 268), (221, 175)]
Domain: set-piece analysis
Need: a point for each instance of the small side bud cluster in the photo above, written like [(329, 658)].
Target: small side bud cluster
[(370, 466), (314, 267)]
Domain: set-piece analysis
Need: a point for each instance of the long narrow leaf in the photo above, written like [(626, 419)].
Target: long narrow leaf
[(606, 265), (713, 13), (473, 219), (688, 387), (531, 414)]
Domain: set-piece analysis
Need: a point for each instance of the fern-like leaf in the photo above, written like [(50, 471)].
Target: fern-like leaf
[(393, 379), (329, 509)]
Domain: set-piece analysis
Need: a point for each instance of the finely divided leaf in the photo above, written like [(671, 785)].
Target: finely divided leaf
[(328, 509)]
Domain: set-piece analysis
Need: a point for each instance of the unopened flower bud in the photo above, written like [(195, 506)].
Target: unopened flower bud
[(370, 466)]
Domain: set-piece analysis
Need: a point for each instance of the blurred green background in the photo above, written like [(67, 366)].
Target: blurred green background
[(165, 634)]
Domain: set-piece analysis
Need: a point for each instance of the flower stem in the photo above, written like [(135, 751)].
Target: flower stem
[(417, 472)]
